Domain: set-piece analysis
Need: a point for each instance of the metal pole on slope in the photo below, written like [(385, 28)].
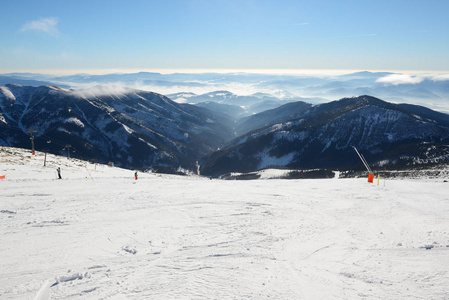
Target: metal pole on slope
[(363, 160), (31, 131), (45, 157), (370, 172), (366, 163), (68, 150)]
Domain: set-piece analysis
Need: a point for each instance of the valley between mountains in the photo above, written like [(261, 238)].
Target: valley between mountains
[(136, 129)]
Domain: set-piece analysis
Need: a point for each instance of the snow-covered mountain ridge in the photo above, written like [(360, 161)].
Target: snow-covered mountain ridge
[(324, 135), (138, 129), (133, 128)]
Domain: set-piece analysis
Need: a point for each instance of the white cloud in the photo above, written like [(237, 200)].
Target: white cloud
[(440, 77), (241, 89), (397, 79), (46, 25), (113, 88), (110, 89)]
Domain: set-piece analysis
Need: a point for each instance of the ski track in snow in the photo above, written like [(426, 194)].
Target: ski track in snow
[(170, 237)]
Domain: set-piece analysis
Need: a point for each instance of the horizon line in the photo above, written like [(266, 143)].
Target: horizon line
[(167, 71)]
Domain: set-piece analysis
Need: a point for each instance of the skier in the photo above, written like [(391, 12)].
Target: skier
[(135, 175), (59, 172), (301, 174)]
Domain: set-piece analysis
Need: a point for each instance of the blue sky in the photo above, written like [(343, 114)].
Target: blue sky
[(100, 36)]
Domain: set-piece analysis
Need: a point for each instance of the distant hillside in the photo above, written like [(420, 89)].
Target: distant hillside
[(236, 106), (285, 112), (28, 82), (323, 136)]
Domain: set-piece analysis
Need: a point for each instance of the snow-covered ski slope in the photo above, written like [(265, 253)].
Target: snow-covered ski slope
[(100, 234)]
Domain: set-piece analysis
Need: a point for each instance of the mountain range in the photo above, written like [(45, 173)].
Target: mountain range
[(143, 130), (323, 136), (237, 106), (134, 129), (430, 90)]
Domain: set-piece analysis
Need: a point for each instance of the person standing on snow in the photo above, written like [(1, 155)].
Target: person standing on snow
[(135, 175), (59, 172)]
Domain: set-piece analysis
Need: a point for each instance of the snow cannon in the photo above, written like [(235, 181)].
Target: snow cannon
[(370, 172)]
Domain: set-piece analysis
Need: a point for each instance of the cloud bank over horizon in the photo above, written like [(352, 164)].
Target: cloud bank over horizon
[(397, 79), (429, 90)]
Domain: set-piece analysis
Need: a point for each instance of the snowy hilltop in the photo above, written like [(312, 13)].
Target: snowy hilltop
[(98, 233)]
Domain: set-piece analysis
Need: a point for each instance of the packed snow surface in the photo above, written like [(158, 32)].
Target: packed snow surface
[(100, 234)]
